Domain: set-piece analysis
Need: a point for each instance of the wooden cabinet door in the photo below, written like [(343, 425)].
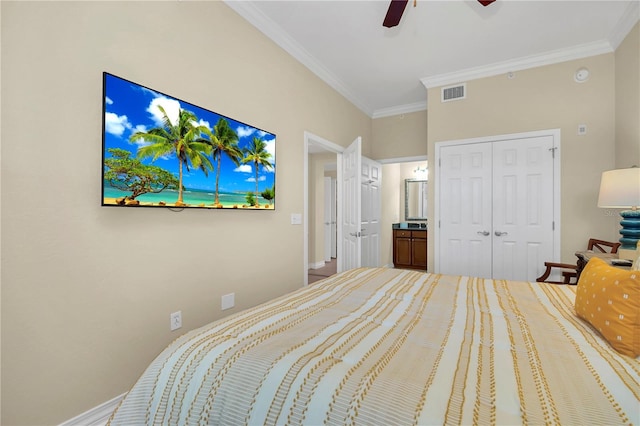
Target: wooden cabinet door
[(402, 252), (419, 250), (410, 249)]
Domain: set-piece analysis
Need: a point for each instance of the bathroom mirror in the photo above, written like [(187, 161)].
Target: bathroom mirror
[(415, 199)]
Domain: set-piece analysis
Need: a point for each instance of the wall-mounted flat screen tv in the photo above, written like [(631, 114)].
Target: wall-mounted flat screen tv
[(160, 151)]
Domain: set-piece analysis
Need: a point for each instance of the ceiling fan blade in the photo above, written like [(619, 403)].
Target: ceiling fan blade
[(486, 2), (394, 14)]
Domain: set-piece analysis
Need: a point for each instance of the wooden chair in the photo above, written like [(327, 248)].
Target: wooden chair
[(567, 270)]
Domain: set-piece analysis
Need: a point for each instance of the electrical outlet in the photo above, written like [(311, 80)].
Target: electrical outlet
[(228, 301), (582, 129), (176, 320)]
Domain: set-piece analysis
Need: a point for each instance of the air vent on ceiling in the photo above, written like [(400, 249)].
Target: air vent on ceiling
[(454, 93)]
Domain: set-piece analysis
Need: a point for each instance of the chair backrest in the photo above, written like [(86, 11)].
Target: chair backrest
[(602, 246)]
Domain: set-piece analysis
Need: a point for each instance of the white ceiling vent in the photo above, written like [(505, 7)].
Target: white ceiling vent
[(454, 93)]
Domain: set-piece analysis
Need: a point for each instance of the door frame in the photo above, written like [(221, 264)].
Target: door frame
[(310, 138), (554, 133)]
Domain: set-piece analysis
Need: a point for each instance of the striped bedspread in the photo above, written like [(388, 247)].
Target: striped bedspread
[(378, 346)]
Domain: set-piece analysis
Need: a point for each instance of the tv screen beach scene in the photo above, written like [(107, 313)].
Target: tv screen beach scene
[(160, 151)]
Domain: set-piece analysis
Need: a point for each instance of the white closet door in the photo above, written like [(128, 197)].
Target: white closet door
[(522, 207), (496, 202), (465, 210)]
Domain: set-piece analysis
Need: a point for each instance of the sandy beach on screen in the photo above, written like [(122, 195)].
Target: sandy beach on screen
[(113, 202)]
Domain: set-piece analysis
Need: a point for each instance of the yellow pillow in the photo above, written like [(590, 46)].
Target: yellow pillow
[(608, 298)]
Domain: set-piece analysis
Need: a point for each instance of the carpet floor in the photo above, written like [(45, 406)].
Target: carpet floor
[(327, 270)]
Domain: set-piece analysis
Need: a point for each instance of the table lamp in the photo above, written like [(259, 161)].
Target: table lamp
[(620, 189)]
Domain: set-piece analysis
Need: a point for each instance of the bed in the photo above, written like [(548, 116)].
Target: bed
[(381, 346)]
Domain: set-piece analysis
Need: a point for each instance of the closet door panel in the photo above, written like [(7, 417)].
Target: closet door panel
[(522, 207), (465, 203)]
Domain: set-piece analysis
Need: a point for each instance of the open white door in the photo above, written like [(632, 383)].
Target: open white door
[(327, 219), (350, 200), (371, 207), (334, 215)]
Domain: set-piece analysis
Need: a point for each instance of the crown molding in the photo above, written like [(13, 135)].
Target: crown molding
[(625, 25), (526, 62), (400, 109), (273, 31), (622, 29)]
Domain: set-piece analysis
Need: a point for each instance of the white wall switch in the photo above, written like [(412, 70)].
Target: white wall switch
[(176, 320), (296, 219), (228, 301)]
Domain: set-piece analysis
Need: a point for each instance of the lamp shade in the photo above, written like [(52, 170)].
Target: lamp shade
[(620, 188)]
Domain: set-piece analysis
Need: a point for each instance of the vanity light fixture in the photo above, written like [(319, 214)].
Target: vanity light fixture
[(421, 172)]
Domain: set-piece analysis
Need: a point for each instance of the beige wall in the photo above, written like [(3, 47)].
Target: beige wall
[(86, 290), (545, 98), (628, 100), (399, 136), (390, 210)]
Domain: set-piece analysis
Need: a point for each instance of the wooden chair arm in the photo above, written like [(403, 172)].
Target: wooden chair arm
[(568, 273), (598, 245)]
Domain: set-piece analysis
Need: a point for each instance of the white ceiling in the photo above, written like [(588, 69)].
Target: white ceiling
[(385, 71)]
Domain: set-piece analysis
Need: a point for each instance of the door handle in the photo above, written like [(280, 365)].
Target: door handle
[(499, 234), (485, 233), (354, 234)]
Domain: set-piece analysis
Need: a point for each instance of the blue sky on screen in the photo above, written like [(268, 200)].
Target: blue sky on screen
[(130, 108)]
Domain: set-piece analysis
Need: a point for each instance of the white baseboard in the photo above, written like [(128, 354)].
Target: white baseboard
[(317, 265), (97, 416)]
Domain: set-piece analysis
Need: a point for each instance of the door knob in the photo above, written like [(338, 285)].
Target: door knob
[(499, 234), (485, 233)]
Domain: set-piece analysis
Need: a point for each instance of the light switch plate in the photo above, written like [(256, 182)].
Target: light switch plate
[(296, 219)]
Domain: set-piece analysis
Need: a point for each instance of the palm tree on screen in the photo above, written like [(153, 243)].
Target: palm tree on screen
[(224, 140), (184, 139), (257, 154)]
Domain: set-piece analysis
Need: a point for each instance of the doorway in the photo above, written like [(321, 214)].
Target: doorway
[(355, 175), (314, 144)]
